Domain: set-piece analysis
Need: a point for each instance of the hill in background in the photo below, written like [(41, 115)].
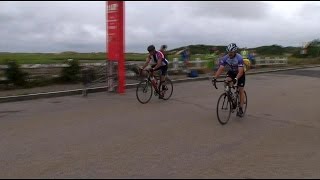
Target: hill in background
[(312, 49), (262, 50)]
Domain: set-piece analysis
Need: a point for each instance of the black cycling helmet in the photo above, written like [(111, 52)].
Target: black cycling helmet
[(164, 46), (151, 48)]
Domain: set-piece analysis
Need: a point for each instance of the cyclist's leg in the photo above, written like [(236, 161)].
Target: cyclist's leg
[(155, 70), (164, 71), (241, 84)]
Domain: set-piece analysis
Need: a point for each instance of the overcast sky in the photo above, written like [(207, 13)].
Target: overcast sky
[(80, 26)]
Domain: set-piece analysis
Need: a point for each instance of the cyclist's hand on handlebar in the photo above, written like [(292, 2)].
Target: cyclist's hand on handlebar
[(214, 81)]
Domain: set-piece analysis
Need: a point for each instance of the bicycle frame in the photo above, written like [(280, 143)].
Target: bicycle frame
[(149, 76), (232, 96)]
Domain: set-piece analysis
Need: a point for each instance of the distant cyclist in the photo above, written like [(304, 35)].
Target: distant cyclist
[(159, 63), (163, 49), (236, 73)]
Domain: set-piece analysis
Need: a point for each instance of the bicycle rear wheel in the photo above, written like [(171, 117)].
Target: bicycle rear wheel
[(224, 108), (167, 92), (144, 91)]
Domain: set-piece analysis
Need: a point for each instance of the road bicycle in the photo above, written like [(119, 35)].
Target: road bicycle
[(150, 84), (229, 101)]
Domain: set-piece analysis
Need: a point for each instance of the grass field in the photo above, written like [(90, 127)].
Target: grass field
[(48, 58)]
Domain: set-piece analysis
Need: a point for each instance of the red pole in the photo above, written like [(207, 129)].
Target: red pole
[(116, 39)]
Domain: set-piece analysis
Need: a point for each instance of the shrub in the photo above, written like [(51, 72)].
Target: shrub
[(15, 75), (71, 73)]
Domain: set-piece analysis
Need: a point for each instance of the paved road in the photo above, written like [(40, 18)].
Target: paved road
[(114, 136)]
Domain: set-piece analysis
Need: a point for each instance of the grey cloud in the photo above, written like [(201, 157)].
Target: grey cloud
[(309, 12), (52, 24), (81, 26), (201, 22), (226, 9)]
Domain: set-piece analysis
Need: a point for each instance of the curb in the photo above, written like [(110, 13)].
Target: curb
[(128, 86)]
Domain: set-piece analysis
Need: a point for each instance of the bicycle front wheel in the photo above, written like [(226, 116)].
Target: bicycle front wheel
[(144, 91), (224, 108), (168, 89)]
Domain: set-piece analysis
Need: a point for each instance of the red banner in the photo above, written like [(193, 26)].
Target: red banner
[(115, 29), (115, 38)]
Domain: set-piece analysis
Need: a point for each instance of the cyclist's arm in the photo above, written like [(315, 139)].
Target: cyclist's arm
[(147, 62), (158, 64), (240, 68)]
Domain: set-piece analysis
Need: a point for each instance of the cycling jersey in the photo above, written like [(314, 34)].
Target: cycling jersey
[(164, 54), (158, 56), (234, 63)]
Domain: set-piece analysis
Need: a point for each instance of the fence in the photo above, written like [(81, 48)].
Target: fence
[(174, 66), (201, 64), (271, 61)]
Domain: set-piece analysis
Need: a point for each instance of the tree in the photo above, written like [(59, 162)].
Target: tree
[(313, 49)]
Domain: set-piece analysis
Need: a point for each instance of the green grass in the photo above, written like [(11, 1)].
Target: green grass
[(52, 58), (48, 58)]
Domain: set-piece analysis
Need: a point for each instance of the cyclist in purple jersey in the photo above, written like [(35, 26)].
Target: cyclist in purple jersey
[(236, 73)]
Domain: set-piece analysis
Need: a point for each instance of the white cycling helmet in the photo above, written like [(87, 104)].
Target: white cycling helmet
[(232, 47)]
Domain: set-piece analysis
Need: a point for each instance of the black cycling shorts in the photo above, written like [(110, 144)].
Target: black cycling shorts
[(241, 80), (163, 69)]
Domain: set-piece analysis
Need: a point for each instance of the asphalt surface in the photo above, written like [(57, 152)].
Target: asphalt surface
[(107, 135)]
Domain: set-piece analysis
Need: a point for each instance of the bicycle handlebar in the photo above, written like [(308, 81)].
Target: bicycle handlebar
[(214, 82)]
